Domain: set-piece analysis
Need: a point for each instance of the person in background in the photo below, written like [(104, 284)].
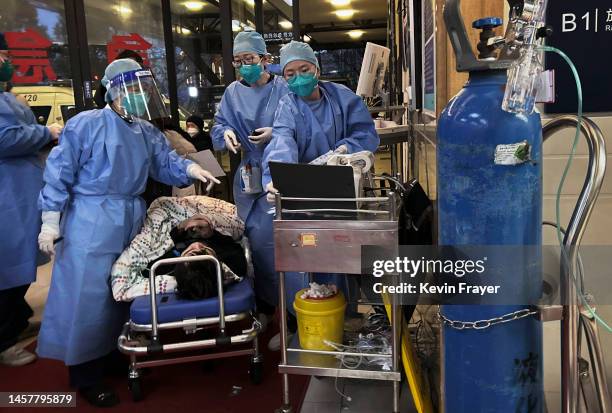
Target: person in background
[(198, 137), (313, 119), (177, 138), (21, 171), (243, 123), (93, 181)]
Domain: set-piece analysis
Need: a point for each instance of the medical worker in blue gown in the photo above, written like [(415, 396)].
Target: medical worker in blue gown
[(91, 210), (315, 118), (21, 170), (243, 123)]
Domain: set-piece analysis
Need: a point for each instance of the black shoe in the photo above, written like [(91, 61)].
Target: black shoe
[(100, 396)]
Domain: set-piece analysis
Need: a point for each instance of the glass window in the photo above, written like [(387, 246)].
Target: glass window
[(36, 35), (68, 111), (41, 113), (278, 28), (243, 15), (199, 60), (117, 25), (341, 65)]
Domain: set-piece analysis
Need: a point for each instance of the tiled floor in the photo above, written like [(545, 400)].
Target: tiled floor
[(365, 396)]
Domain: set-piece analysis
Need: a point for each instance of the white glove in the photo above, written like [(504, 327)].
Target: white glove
[(341, 150), (195, 171), (55, 129), (49, 232), (271, 193), (265, 134), (231, 142), (323, 159)]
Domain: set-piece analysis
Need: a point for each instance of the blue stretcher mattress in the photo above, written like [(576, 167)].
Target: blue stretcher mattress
[(239, 298)]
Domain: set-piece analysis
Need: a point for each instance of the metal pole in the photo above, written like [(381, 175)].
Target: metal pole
[(259, 16), (393, 57), (297, 35), (597, 362), (170, 60), (227, 39), (283, 336), (569, 345), (73, 49)]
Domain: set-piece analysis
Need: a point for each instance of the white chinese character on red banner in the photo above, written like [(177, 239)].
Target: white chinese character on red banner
[(30, 57), (133, 42)]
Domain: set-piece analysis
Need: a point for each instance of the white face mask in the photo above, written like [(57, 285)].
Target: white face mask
[(192, 132)]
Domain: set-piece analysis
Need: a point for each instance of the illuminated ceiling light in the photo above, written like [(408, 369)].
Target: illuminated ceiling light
[(285, 24), (123, 10), (356, 34), (307, 38), (340, 3), (236, 26), (345, 13), (194, 5), (185, 31), (193, 91)]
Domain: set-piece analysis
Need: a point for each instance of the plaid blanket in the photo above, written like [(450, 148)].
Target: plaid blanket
[(153, 241)]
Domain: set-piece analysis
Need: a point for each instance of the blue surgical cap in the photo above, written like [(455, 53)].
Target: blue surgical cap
[(249, 42), (115, 68), (297, 51)]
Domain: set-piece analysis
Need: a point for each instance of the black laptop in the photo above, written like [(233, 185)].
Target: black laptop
[(315, 181)]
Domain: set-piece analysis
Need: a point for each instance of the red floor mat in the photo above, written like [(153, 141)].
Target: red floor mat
[(180, 388)]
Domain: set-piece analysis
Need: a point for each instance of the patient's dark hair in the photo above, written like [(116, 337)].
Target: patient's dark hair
[(196, 280)]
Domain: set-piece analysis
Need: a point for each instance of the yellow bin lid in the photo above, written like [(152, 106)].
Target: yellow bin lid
[(319, 305)]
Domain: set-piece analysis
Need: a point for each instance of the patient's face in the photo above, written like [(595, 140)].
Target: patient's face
[(197, 226), (198, 248)]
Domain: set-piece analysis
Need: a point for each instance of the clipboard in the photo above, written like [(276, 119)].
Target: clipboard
[(206, 159)]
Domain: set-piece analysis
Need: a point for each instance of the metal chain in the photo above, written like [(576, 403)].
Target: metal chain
[(483, 324)]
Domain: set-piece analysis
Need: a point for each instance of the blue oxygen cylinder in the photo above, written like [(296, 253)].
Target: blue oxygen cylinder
[(489, 201)]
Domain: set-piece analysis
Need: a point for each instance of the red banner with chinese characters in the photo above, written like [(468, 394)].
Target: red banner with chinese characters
[(30, 56), (133, 42)]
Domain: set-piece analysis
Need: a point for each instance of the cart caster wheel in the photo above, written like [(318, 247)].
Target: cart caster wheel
[(256, 372), (135, 386)]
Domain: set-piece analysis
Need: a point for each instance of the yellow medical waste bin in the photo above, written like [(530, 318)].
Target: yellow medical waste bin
[(319, 319)]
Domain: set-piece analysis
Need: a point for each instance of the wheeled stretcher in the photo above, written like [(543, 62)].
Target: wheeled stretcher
[(154, 313)]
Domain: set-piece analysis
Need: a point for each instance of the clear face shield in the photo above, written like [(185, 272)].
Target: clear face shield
[(135, 93)]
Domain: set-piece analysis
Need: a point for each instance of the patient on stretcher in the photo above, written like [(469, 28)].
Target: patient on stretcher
[(174, 227)]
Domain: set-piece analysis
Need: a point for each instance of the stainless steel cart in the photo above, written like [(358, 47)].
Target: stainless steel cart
[(333, 246)]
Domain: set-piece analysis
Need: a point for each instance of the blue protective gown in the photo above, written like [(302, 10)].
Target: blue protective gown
[(305, 130), (299, 135), (94, 177), (244, 109), (21, 174)]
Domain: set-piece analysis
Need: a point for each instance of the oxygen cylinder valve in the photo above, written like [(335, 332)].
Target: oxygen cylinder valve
[(489, 41), (526, 33)]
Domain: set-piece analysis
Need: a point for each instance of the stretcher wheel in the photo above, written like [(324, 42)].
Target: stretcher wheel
[(256, 372), (135, 386)]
